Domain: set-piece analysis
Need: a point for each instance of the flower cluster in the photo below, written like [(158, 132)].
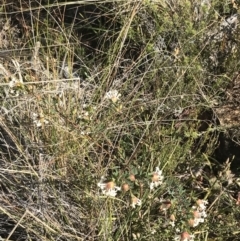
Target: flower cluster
[(136, 202), (157, 178), (199, 213), (108, 188), (15, 83), (15, 86), (39, 120), (166, 207), (112, 95)]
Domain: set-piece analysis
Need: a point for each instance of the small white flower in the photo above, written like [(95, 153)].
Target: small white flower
[(202, 204), (203, 214), (12, 83), (199, 213), (112, 95), (201, 207), (172, 223), (102, 183), (39, 120), (15, 83), (153, 231), (108, 188), (178, 230), (84, 115), (197, 221), (157, 178), (172, 220), (83, 133), (136, 202)]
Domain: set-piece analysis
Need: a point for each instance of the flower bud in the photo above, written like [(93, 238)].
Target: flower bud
[(125, 187), (132, 177)]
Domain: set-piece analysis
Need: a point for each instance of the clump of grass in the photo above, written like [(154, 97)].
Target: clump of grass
[(105, 127)]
